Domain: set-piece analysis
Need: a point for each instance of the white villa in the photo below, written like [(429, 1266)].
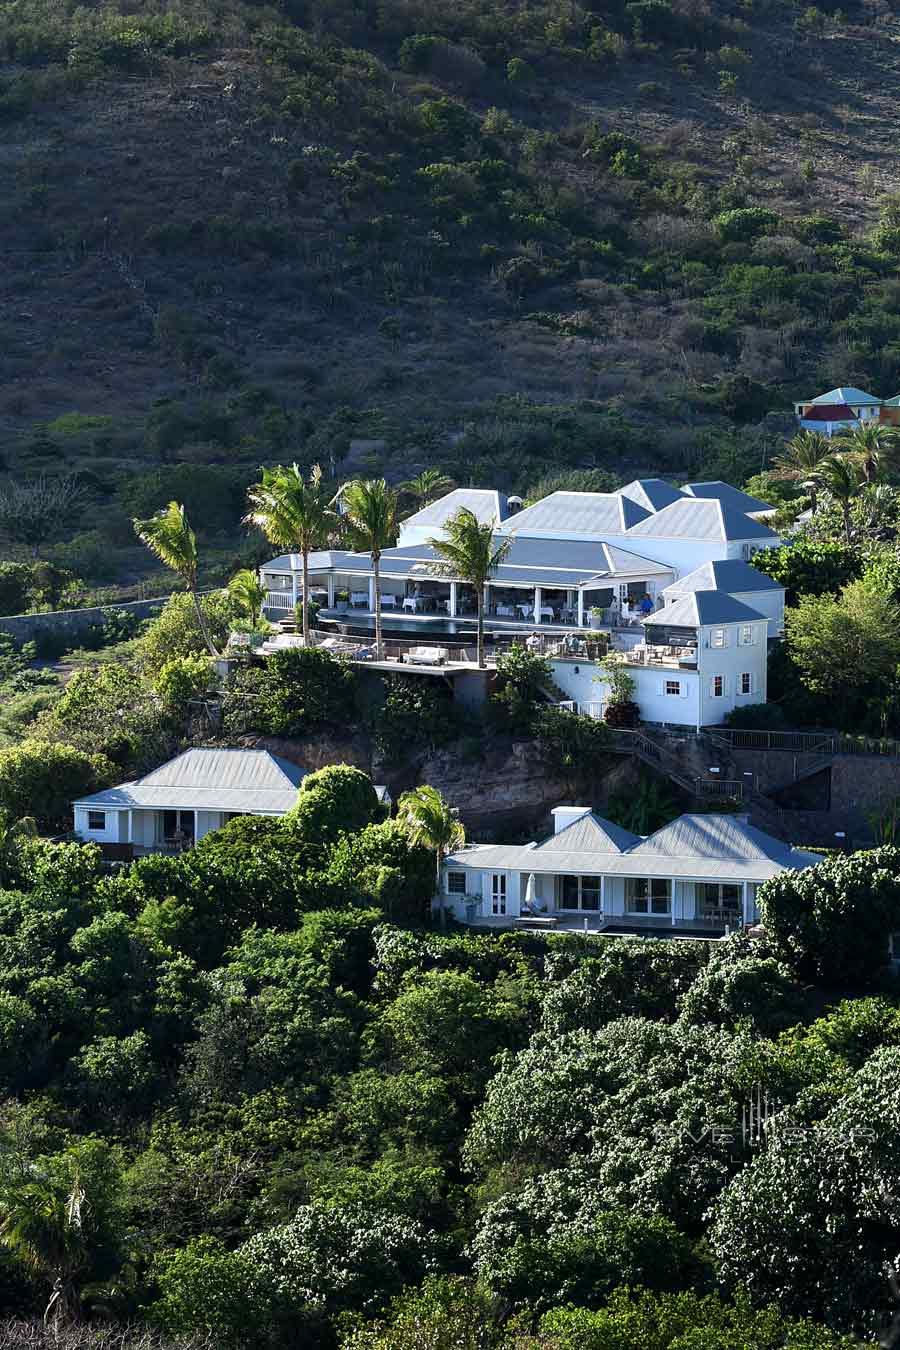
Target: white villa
[(698, 874), (664, 571), (199, 790)]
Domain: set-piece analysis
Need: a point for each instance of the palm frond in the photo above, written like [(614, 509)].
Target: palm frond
[(170, 538)]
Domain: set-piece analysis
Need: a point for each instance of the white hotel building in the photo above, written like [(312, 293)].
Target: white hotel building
[(664, 571)]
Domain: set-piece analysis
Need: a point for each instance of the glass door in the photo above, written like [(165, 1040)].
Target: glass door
[(498, 893)]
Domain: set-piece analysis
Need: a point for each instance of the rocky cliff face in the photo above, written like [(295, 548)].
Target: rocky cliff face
[(505, 792)]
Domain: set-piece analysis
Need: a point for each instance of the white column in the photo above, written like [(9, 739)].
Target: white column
[(580, 608), (371, 594), (602, 882), (196, 824), (130, 827), (331, 590), (487, 597), (674, 886), (537, 604), (452, 609), (295, 589), (745, 907)]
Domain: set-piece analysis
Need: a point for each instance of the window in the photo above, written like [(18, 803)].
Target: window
[(718, 686), (96, 820), (746, 683), (718, 638), (648, 895), (580, 893), (673, 687), (456, 883), (719, 900), (498, 893), (746, 636)]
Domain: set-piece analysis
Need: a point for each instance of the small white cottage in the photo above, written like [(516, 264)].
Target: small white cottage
[(176, 804), (699, 873)]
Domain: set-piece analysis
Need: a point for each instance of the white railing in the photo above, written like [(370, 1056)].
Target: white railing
[(279, 600), (594, 710)]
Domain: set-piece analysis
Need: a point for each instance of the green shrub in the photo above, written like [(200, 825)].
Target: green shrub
[(832, 923), (745, 223), (297, 691), (182, 679), (331, 802), (416, 714), (42, 780)]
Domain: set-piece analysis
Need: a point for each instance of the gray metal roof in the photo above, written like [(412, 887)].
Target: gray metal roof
[(701, 518), (548, 562), (651, 493), (322, 560), (486, 504), (594, 513), (732, 575), (702, 607), (727, 839), (699, 847), (731, 496), (589, 834), (211, 780)]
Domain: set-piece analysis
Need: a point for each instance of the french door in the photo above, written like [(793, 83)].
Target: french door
[(498, 893)]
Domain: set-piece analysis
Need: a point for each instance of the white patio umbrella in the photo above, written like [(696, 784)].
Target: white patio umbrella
[(529, 891)]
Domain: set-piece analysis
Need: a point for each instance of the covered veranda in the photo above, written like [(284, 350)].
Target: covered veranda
[(540, 583)]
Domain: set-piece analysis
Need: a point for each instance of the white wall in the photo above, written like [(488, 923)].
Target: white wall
[(578, 682), (114, 832), (207, 821), (769, 603), (685, 555), (731, 662)]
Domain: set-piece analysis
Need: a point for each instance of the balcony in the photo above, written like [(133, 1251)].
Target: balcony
[(667, 658)]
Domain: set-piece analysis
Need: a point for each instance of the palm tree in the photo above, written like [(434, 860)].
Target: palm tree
[(370, 522), (800, 459), (470, 554), (431, 822), (871, 445), (42, 1225), (169, 536), (248, 593), (841, 477), (293, 512), (427, 486)]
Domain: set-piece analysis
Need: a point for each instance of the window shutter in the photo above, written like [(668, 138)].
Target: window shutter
[(724, 685), (662, 688), (683, 689), (712, 686)]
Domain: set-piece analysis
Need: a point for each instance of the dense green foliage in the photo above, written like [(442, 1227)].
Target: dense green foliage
[(291, 1111)]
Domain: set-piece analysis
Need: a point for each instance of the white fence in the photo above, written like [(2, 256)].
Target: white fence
[(594, 710), (279, 600)]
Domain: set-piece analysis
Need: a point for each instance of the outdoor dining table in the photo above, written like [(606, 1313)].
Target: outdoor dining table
[(359, 597), (527, 612), (389, 601), (414, 603), (505, 612)]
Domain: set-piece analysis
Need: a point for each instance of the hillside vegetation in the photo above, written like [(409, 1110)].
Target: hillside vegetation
[(497, 236)]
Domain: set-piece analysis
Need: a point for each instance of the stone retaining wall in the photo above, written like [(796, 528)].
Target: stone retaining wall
[(71, 622)]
